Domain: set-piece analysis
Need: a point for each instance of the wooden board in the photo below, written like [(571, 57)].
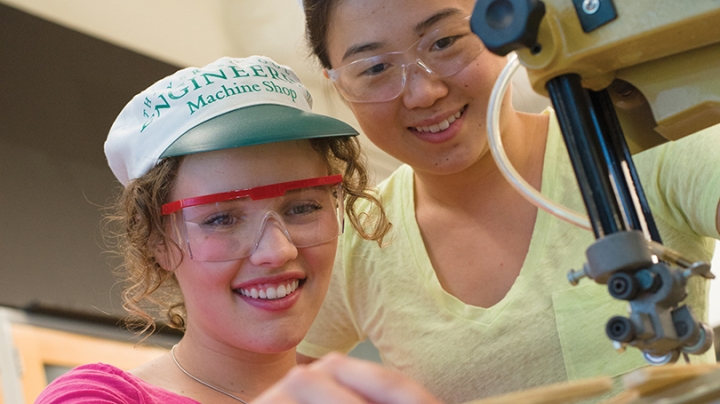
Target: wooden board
[(38, 347)]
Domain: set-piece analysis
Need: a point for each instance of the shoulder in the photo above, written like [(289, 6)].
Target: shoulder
[(100, 383), (397, 187), (397, 198), (92, 375), (96, 382), (395, 194), (402, 174)]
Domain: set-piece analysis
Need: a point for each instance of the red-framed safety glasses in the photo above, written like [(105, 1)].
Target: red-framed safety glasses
[(230, 225), (256, 193)]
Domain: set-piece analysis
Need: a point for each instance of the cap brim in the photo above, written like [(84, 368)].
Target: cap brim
[(257, 124)]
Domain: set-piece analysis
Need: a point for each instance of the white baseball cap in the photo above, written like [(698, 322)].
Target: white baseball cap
[(231, 102)]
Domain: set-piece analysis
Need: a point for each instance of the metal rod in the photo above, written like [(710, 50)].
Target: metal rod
[(581, 131), (621, 167)]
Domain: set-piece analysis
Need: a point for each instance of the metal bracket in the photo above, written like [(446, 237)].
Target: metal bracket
[(594, 13)]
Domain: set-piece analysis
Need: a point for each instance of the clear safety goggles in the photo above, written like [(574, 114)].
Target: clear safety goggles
[(230, 225), (444, 52)]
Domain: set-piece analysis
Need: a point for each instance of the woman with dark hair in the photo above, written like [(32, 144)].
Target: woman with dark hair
[(469, 296)]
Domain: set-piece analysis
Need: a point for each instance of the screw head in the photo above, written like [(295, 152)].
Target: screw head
[(591, 6)]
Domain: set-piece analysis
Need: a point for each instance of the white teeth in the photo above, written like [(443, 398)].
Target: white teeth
[(270, 292), (440, 126)]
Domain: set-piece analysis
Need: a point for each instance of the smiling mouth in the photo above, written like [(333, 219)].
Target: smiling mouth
[(442, 125), (269, 292)]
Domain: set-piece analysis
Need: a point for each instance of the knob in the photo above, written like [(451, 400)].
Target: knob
[(506, 25)]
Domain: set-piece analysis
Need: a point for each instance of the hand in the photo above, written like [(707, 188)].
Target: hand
[(335, 378)]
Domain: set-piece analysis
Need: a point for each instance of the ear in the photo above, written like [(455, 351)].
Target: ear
[(325, 73), (162, 252)]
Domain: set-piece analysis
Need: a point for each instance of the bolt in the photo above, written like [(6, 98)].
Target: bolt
[(575, 276)]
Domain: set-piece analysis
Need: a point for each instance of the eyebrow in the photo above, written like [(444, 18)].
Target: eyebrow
[(355, 49), (440, 15), (419, 29)]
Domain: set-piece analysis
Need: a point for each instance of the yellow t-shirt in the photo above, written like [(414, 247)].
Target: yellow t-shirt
[(544, 330)]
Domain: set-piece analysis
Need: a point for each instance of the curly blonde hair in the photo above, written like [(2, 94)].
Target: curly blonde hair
[(135, 227)]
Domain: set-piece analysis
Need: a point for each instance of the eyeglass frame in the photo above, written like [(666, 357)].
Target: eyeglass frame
[(254, 193), (258, 193), (334, 76)]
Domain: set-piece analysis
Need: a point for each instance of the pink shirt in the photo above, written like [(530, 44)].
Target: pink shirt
[(99, 383)]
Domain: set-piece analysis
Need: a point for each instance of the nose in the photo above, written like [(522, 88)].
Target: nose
[(274, 246), (422, 86)]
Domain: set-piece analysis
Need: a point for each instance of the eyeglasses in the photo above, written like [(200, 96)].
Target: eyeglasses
[(444, 52), (230, 225)]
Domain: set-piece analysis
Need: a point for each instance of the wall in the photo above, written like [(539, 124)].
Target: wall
[(190, 33)]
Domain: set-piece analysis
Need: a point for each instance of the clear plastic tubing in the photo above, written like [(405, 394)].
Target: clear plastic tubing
[(502, 161)]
